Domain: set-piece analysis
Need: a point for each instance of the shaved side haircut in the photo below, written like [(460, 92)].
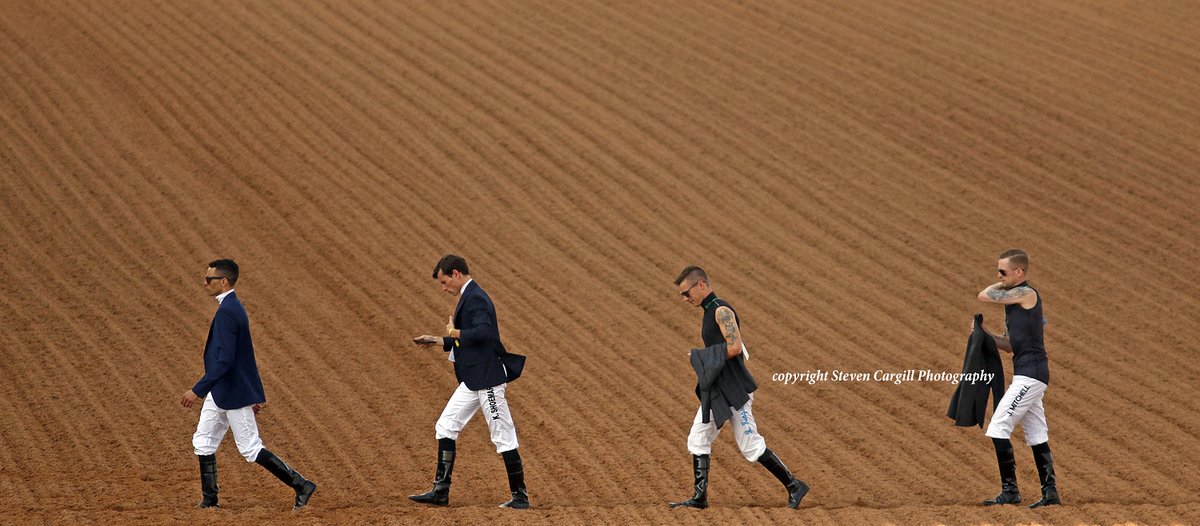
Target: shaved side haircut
[(692, 272), (1018, 258)]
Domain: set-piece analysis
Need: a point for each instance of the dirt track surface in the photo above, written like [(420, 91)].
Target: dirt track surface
[(846, 174)]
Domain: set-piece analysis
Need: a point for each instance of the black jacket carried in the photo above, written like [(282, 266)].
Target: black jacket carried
[(968, 406), (721, 384)]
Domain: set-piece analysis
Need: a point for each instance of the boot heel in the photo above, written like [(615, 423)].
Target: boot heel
[(208, 481), (699, 498), (440, 494), (1045, 467), (516, 481)]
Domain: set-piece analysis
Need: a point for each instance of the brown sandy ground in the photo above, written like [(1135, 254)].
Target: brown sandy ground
[(846, 171)]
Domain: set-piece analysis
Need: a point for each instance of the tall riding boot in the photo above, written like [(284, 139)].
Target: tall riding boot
[(208, 481), (516, 481), (700, 496), (440, 494), (1045, 467), (796, 488), (304, 488), (1008, 474)]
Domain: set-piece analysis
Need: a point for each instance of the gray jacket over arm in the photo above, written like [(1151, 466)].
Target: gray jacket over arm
[(722, 385)]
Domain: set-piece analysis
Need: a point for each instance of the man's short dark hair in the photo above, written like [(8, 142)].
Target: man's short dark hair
[(449, 263), (226, 268), (691, 272), (1017, 257)]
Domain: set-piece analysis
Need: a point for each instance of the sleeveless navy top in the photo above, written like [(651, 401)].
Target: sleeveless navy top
[(1025, 330), (710, 330), (735, 370)]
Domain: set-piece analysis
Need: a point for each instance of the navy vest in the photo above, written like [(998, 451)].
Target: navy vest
[(735, 368), (1025, 330), (710, 330)]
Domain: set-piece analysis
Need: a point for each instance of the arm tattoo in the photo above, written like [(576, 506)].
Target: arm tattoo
[(1002, 341), (730, 323), (1008, 294)]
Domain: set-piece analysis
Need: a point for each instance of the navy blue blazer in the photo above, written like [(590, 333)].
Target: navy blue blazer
[(230, 372), (480, 359)]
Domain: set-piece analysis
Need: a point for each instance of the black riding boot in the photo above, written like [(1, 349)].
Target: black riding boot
[(208, 481), (700, 496), (1045, 467), (796, 488), (304, 488), (1008, 474), (440, 494), (516, 481)]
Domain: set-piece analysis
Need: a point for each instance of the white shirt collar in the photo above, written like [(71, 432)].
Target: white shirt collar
[(463, 290), (221, 296)]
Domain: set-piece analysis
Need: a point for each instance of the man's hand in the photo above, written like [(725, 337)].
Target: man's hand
[(189, 398), (450, 327), (426, 339), (256, 408)]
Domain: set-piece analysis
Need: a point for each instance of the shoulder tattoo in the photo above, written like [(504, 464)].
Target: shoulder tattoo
[(727, 319)]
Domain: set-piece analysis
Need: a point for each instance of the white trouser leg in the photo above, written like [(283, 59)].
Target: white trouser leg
[(213, 424), (745, 432), (210, 429), (499, 419), (1023, 397), (461, 406), (1034, 424), (701, 437), (245, 432), (752, 444)]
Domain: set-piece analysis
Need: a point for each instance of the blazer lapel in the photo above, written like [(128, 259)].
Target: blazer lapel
[(231, 297), (463, 299)]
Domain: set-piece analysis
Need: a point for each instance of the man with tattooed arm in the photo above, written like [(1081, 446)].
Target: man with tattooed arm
[(725, 390), (1022, 402)]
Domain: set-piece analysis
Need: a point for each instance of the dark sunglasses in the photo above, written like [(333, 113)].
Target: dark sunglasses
[(687, 293), (208, 279), (1003, 273)]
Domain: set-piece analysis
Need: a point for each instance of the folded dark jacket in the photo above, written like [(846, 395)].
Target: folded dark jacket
[(968, 406), (722, 385)]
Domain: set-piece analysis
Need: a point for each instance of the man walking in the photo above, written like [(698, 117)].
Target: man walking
[(232, 392), (483, 369), (1022, 403), (728, 393)]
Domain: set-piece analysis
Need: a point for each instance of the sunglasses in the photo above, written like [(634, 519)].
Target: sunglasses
[(687, 293), (208, 279), (1003, 273)]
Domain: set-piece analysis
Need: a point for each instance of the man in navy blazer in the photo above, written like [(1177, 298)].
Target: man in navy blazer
[(233, 392), (483, 369)]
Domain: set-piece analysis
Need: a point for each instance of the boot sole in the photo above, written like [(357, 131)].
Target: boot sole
[(992, 502), (800, 498), (307, 495)]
